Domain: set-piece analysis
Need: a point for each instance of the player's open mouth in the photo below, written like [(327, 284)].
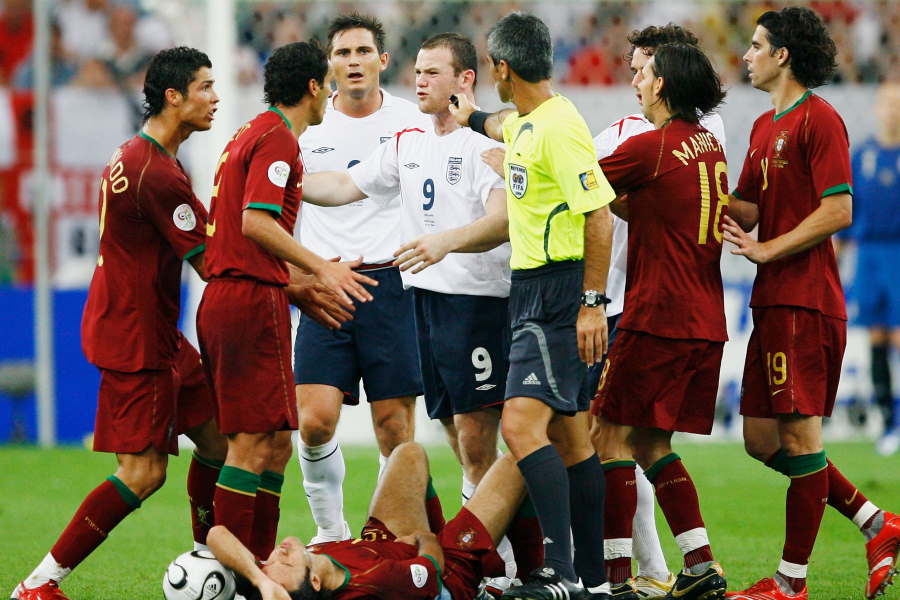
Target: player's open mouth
[(354, 76)]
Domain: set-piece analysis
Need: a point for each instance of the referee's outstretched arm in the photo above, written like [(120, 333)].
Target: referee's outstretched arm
[(489, 124)]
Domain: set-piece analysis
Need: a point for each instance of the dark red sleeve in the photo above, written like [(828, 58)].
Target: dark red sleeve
[(269, 169), (632, 164), (415, 578), (828, 150), (748, 186), (169, 203)]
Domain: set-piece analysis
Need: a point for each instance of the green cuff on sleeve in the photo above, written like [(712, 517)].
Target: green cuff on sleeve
[(275, 208)]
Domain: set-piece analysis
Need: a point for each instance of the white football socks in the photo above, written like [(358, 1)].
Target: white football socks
[(323, 478), (647, 550), (48, 569)]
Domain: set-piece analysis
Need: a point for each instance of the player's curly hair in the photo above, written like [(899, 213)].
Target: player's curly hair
[(691, 87), (173, 68), (524, 42), (811, 50), (649, 38), (357, 21), (289, 70)]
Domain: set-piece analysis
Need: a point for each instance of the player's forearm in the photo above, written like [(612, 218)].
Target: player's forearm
[(746, 214), (229, 551), (198, 262), (259, 226), (427, 543), (330, 188), (597, 248), (493, 127), (834, 214), (487, 232)]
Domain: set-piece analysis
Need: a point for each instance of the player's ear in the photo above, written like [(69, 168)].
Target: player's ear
[(385, 59), (783, 55), (315, 581), (174, 97)]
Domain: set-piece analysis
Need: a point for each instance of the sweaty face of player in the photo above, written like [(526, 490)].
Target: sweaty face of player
[(288, 564), (435, 79), (639, 58), (648, 87), (887, 109), (762, 66), (321, 101), (199, 105), (356, 62)]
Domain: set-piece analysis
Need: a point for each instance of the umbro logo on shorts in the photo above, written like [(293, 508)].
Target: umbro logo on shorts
[(322, 150), (532, 379), (411, 165), (485, 387)]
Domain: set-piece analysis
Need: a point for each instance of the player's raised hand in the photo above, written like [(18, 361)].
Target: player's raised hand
[(462, 109), (423, 252), (493, 157), (593, 334), (753, 250), (343, 280)]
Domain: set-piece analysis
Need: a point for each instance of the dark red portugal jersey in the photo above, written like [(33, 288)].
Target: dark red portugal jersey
[(795, 159), (260, 168), (386, 570), (150, 221), (676, 180)]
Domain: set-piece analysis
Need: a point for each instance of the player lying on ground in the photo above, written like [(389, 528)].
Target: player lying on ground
[(399, 555)]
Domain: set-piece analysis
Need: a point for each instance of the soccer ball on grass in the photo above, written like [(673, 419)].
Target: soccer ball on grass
[(198, 575)]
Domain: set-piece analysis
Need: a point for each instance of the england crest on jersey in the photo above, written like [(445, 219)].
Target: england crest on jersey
[(518, 180), (454, 169)]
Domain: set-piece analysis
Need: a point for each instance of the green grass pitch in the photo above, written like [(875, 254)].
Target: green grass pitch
[(743, 505)]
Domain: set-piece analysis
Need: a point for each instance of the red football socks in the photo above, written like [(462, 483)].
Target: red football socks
[(235, 502), (677, 497), (618, 516), (527, 540), (433, 508), (843, 495), (201, 486), (267, 512), (99, 513)]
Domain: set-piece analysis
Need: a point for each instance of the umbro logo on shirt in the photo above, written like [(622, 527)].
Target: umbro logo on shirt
[(322, 150), (485, 387), (411, 165), (532, 379), (384, 138)]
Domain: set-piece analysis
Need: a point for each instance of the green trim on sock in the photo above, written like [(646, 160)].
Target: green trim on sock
[(617, 464), (526, 509), (238, 480), (656, 467), (128, 496), (208, 462), (438, 569), (806, 464), (271, 481), (430, 492), (779, 462)]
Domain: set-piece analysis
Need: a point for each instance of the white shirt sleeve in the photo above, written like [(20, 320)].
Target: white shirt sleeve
[(715, 125), (485, 177), (378, 176)]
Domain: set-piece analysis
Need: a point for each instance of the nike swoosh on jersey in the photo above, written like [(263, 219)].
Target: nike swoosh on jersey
[(752, 152), (776, 392)]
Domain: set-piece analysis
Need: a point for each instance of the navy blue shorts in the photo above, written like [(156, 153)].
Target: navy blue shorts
[(543, 361), (377, 346), (877, 284), (464, 351)]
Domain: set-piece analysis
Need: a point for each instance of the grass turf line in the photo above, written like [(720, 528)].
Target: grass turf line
[(742, 502)]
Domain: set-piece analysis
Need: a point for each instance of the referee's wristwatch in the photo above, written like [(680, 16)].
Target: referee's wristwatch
[(593, 298)]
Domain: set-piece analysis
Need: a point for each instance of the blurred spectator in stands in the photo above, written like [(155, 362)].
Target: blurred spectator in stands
[(85, 26), (62, 66), (16, 34), (122, 54)]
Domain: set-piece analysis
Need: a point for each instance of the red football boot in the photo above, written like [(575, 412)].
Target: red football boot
[(48, 591), (881, 552), (767, 589)]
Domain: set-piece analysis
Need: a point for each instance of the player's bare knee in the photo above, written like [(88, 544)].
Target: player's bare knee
[(143, 474), (392, 430), (210, 443), (315, 431), (409, 453), (758, 449), (281, 449)]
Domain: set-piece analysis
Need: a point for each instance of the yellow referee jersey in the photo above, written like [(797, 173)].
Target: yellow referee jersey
[(552, 179)]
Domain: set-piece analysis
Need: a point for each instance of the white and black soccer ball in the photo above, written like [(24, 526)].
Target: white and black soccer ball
[(198, 575)]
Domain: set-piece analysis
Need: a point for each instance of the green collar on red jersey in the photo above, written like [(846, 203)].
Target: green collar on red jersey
[(157, 144), (795, 105), (337, 564), (281, 114)]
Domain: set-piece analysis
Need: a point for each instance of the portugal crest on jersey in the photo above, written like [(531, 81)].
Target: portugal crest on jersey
[(518, 180), (781, 142), (454, 169)]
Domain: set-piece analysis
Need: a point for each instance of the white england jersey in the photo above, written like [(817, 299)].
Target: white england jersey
[(371, 227), (606, 143), (443, 184)]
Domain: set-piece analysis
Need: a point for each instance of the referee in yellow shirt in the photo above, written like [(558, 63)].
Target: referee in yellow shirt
[(560, 229)]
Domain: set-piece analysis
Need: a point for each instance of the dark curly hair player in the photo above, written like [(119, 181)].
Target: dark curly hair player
[(796, 185)]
